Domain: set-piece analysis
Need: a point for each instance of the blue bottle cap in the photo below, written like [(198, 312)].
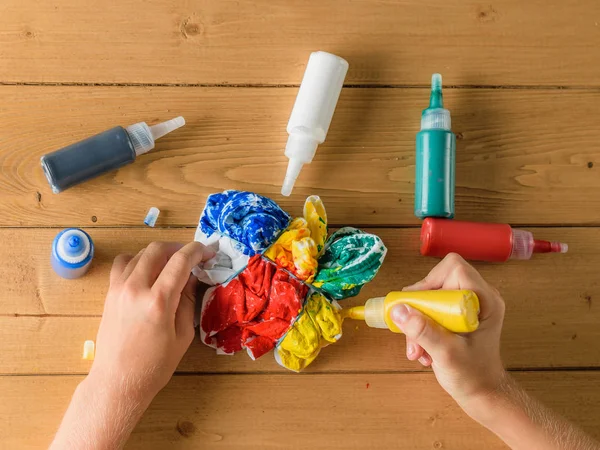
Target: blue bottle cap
[(72, 248)]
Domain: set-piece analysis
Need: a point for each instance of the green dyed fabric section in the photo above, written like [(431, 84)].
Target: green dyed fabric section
[(351, 259)]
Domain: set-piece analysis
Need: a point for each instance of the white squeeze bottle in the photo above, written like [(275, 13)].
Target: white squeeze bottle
[(312, 113)]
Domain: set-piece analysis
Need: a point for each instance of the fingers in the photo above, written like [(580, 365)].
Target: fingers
[(453, 272), (131, 265), (184, 317), (152, 261), (413, 350), (421, 330), (176, 274), (426, 360), (118, 267), (438, 275)]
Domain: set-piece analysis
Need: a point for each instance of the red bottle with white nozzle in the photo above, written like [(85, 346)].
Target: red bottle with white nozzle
[(496, 242)]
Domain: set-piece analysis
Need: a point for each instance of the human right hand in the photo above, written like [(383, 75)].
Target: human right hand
[(467, 366)]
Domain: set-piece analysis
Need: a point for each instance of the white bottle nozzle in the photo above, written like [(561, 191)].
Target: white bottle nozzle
[(300, 149), (293, 170), (142, 136), (160, 129), (312, 113)]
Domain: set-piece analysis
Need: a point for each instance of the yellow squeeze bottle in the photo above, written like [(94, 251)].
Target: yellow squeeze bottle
[(457, 311)]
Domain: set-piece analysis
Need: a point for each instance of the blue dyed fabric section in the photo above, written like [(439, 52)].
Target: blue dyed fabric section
[(249, 218)]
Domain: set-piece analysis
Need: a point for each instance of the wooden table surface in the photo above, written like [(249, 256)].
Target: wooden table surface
[(523, 86)]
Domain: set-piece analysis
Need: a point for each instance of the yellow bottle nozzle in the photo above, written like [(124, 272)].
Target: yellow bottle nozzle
[(356, 313)]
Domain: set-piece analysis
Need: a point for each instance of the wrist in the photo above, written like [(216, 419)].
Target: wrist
[(485, 406), (114, 393), (101, 415)]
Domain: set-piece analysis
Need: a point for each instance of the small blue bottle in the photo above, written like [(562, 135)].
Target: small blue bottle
[(72, 253)]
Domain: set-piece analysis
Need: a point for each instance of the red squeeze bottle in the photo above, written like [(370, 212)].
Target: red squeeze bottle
[(496, 242)]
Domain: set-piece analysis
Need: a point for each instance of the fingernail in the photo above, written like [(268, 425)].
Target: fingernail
[(410, 349), (423, 360), (400, 314)]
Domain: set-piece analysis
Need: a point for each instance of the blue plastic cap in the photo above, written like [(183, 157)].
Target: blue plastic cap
[(74, 245)]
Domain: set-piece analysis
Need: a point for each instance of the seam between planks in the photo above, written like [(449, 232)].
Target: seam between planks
[(573, 369), (295, 85)]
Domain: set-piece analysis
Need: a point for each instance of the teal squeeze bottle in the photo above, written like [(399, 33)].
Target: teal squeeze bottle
[(436, 158)]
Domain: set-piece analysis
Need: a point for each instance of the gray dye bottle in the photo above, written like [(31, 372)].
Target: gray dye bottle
[(102, 153)]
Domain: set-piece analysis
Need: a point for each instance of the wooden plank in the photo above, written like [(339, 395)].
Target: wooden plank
[(268, 41), (277, 411), (513, 165), (551, 320)]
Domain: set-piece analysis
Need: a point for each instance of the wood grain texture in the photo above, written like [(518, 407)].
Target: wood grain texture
[(527, 155), (507, 42), (521, 157), (551, 320), (278, 411)]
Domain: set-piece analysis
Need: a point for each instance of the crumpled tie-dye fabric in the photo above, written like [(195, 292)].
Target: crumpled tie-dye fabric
[(319, 325), (351, 259), (276, 278), (253, 310), (250, 219), (295, 251), (299, 246), (316, 218), (228, 261)]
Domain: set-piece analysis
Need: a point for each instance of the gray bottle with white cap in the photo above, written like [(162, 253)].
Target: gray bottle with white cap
[(102, 153)]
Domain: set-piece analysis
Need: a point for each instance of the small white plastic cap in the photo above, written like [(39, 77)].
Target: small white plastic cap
[(523, 243), (89, 350), (375, 312), (312, 113), (152, 216), (436, 119), (142, 136)]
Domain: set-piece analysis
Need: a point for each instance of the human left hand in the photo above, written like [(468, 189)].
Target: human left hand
[(147, 324)]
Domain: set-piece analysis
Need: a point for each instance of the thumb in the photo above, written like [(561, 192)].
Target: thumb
[(419, 328)]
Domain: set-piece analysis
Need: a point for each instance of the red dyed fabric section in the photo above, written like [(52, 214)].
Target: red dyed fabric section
[(229, 340), (253, 310), (284, 303), (260, 345)]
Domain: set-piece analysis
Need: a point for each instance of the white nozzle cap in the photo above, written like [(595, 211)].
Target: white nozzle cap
[(300, 149), (142, 136), (375, 312), (160, 129), (522, 245), (293, 170)]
